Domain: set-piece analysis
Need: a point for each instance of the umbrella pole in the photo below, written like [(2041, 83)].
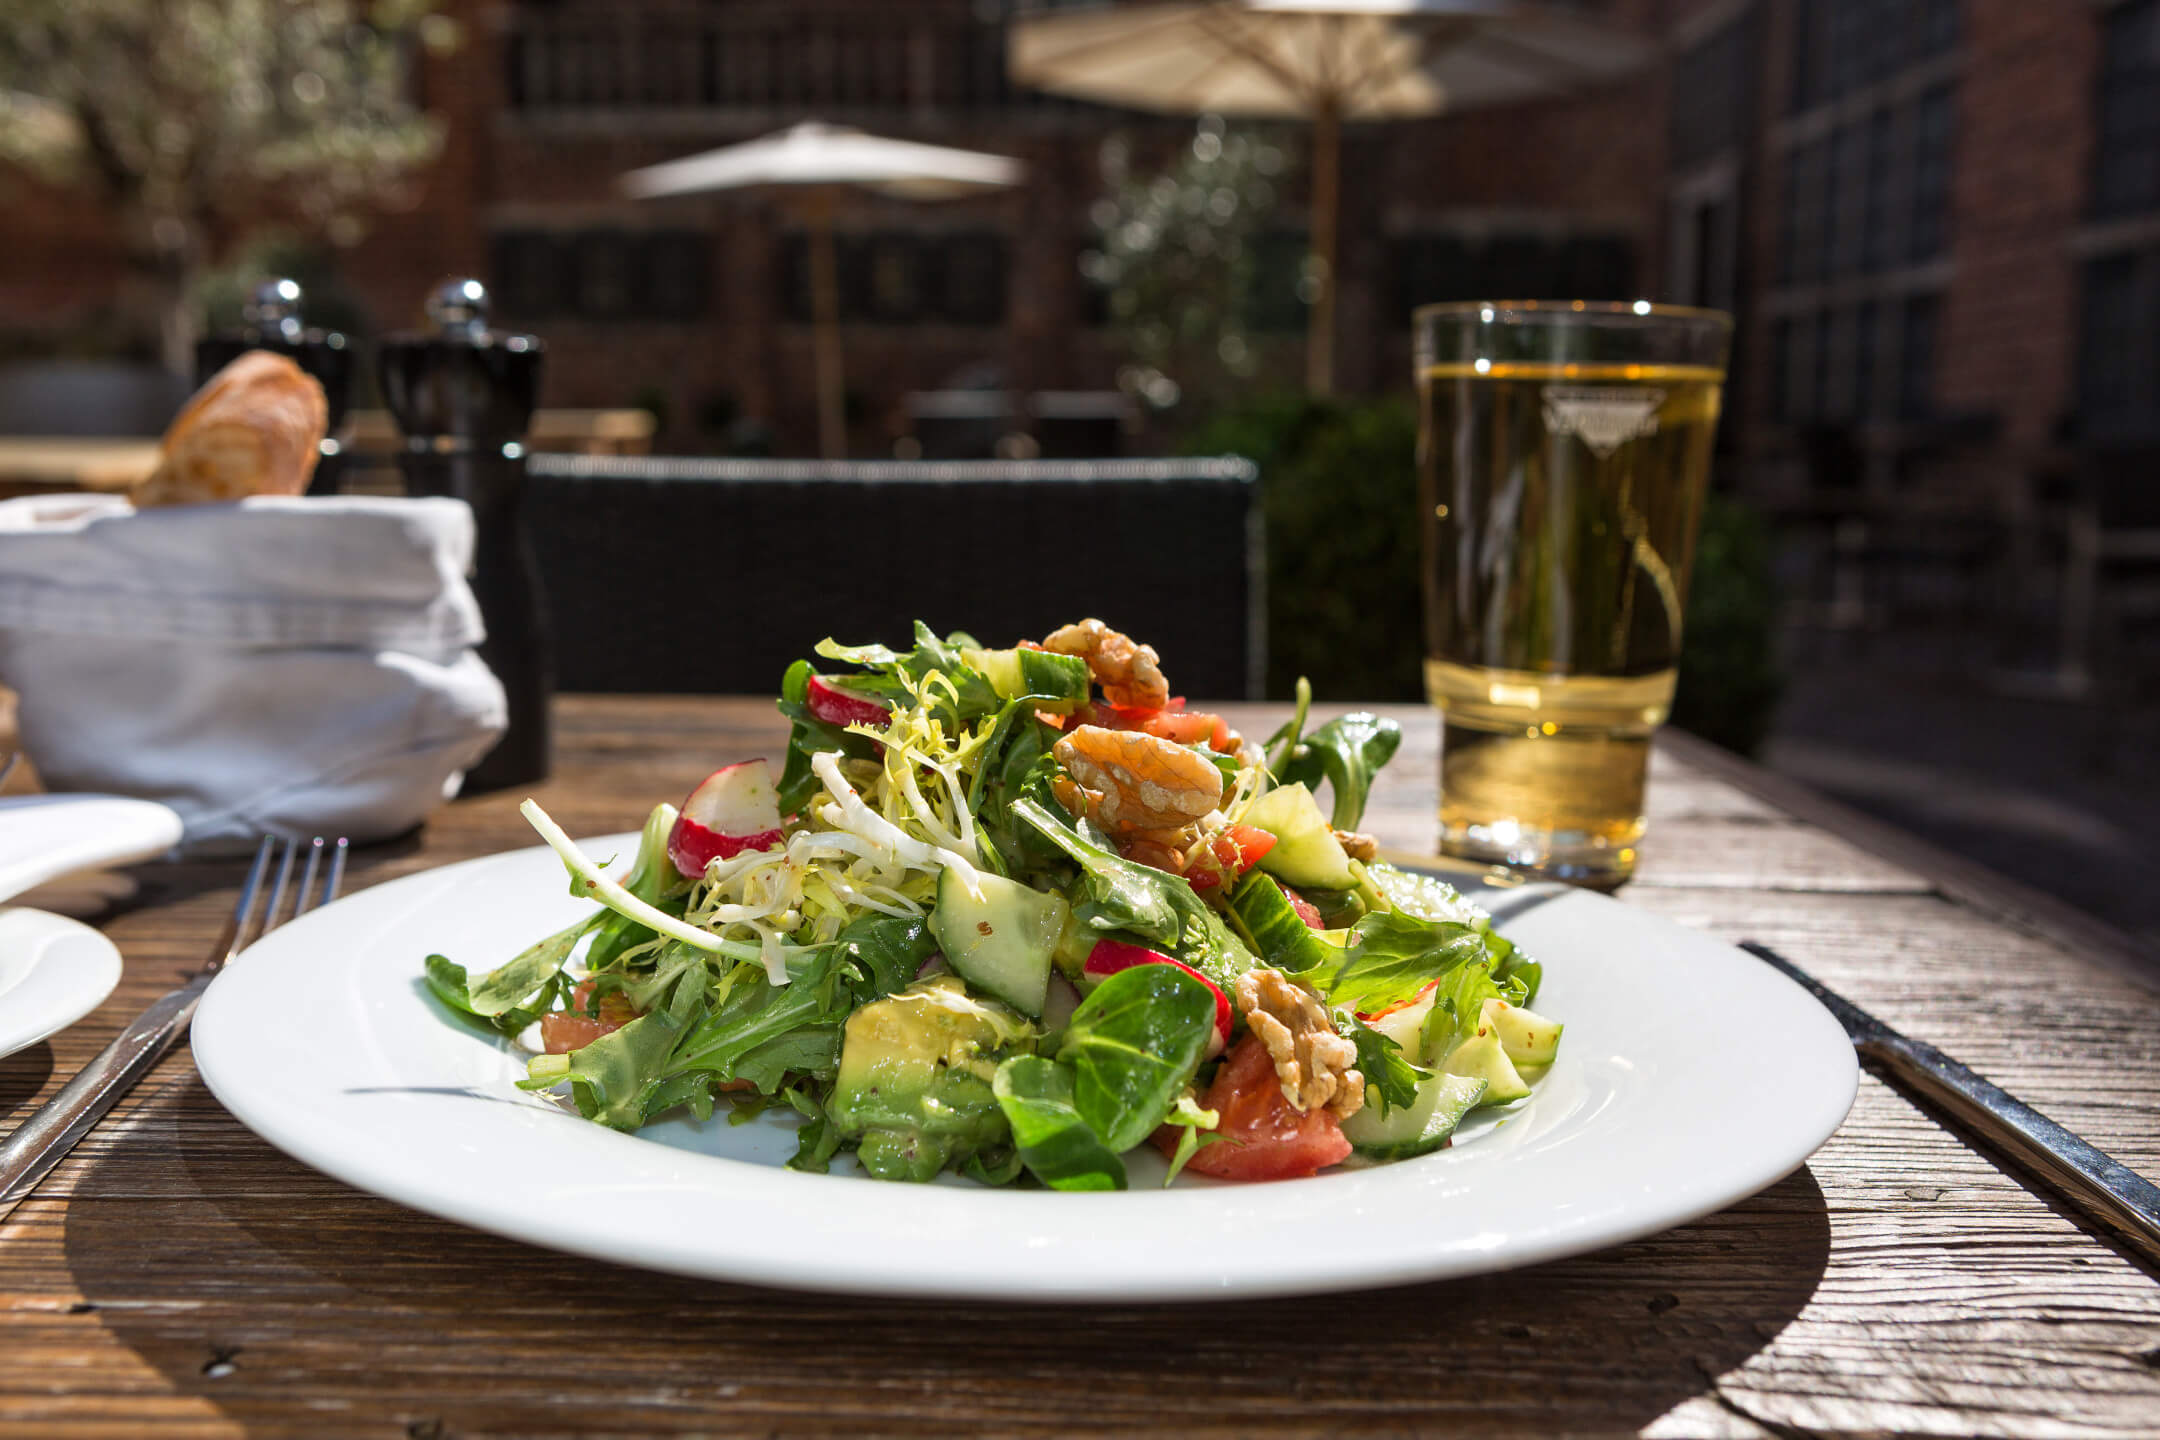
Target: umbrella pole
[(825, 329), (1326, 182)]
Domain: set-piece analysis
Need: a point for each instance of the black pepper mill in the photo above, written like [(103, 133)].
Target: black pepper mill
[(464, 397), (270, 320)]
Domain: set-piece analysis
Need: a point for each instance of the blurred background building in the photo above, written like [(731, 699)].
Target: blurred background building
[(1937, 221)]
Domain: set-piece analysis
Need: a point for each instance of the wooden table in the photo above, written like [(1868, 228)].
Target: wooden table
[(178, 1276), (35, 464)]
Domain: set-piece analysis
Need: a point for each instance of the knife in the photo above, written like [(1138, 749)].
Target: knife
[(2119, 1199)]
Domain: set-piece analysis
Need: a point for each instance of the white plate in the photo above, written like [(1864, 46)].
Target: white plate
[(43, 837), (53, 971), (1691, 1076)]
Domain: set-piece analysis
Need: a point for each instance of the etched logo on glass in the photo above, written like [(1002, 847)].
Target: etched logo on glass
[(1603, 417)]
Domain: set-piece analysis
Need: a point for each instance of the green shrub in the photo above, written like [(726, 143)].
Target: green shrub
[(1729, 681), (1339, 494), (1338, 486)]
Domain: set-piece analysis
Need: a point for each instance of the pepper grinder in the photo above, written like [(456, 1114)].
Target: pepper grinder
[(270, 320), (464, 395)]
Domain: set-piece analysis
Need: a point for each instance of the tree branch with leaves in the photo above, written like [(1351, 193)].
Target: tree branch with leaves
[(197, 122)]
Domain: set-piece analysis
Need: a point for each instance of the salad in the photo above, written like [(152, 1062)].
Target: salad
[(1013, 913)]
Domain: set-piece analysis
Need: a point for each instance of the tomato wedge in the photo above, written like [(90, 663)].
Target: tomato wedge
[(1266, 1137), (572, 1029), (1237, 850)]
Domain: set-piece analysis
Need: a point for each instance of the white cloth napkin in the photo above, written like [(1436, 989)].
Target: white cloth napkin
[(298, 665)]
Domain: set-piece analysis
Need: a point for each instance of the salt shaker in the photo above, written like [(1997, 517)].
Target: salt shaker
[(270, 320), (463, 395)]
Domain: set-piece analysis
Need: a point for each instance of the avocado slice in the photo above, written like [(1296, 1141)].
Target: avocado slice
[(913, 1089)]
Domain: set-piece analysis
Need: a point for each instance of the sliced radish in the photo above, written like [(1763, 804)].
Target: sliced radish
[(1110, 956), (836, 706), (732, 810)]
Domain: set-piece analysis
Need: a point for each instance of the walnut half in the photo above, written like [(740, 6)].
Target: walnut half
[(1316, 1066)]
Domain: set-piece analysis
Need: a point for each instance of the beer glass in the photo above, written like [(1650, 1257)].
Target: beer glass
[(1563, 453)]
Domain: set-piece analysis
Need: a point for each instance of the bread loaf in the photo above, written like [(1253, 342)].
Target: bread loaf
[(255, 428)]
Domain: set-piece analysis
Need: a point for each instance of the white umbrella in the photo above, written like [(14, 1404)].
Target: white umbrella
[(1324, 61), (816, 160)]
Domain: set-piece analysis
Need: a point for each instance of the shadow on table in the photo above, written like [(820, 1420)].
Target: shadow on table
[(22, 1075), (255, 1283)]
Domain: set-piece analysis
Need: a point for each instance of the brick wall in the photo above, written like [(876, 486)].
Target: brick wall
[(2025, 134)]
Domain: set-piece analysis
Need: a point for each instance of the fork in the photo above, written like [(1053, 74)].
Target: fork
[(43, 1140)]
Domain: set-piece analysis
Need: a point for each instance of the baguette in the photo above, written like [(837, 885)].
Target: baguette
[(255, 428)]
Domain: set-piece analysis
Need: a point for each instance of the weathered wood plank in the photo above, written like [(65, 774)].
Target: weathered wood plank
[(179, 1277)]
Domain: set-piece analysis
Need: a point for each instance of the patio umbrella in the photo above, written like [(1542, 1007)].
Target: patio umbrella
[(1323, 61), (813, 162)]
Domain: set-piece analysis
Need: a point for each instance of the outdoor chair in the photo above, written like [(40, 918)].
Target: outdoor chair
[(686, 575)]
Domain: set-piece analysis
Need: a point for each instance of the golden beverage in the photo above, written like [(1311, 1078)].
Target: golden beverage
[(1559, 501)]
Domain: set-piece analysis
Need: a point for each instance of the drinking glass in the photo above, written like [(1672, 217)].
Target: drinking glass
[(1563, 453)]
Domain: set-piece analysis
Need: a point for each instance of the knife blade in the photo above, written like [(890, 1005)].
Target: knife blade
[(2059, 1161)]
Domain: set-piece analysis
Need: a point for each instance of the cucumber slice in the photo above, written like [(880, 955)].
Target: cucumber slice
[(1306, 851), (1527, 1037), (1418, 1128), (1060, 682), (1405, 1024), (1481, 1058), (1001, 942)]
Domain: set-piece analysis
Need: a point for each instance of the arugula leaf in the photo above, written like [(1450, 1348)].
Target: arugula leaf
[(1390, 1078), (818, 1140), (1133, 1045), (1057, 1146), (889, 948), (615, 1079), (1394, 957), (1119, 894), (1347, 751), (513, 995), (971, 696), (1434, 899), (756, 1012)]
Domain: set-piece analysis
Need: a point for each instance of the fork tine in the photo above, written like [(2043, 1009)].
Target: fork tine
[(336, 878), (304, 898), (277, 891), (236, 930)]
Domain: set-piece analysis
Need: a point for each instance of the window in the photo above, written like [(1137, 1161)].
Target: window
[(1512, 266), (1840, 46), (1801, 225), (890, 277), (2119, 349), (1916, 357), (1876, 217), (2127, 175), (539, 275), (1710, 93), (1930, 226)]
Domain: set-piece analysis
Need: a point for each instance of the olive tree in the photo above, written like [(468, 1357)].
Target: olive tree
[(1175, 254), (198, 123)]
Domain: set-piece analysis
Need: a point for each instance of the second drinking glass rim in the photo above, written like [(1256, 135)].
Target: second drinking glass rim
[(1565, 309)]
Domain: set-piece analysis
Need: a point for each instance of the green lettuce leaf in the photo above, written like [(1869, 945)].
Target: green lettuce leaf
[(1133, 1046), (1394, 957), (1347, 752), (1057, 1146)]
